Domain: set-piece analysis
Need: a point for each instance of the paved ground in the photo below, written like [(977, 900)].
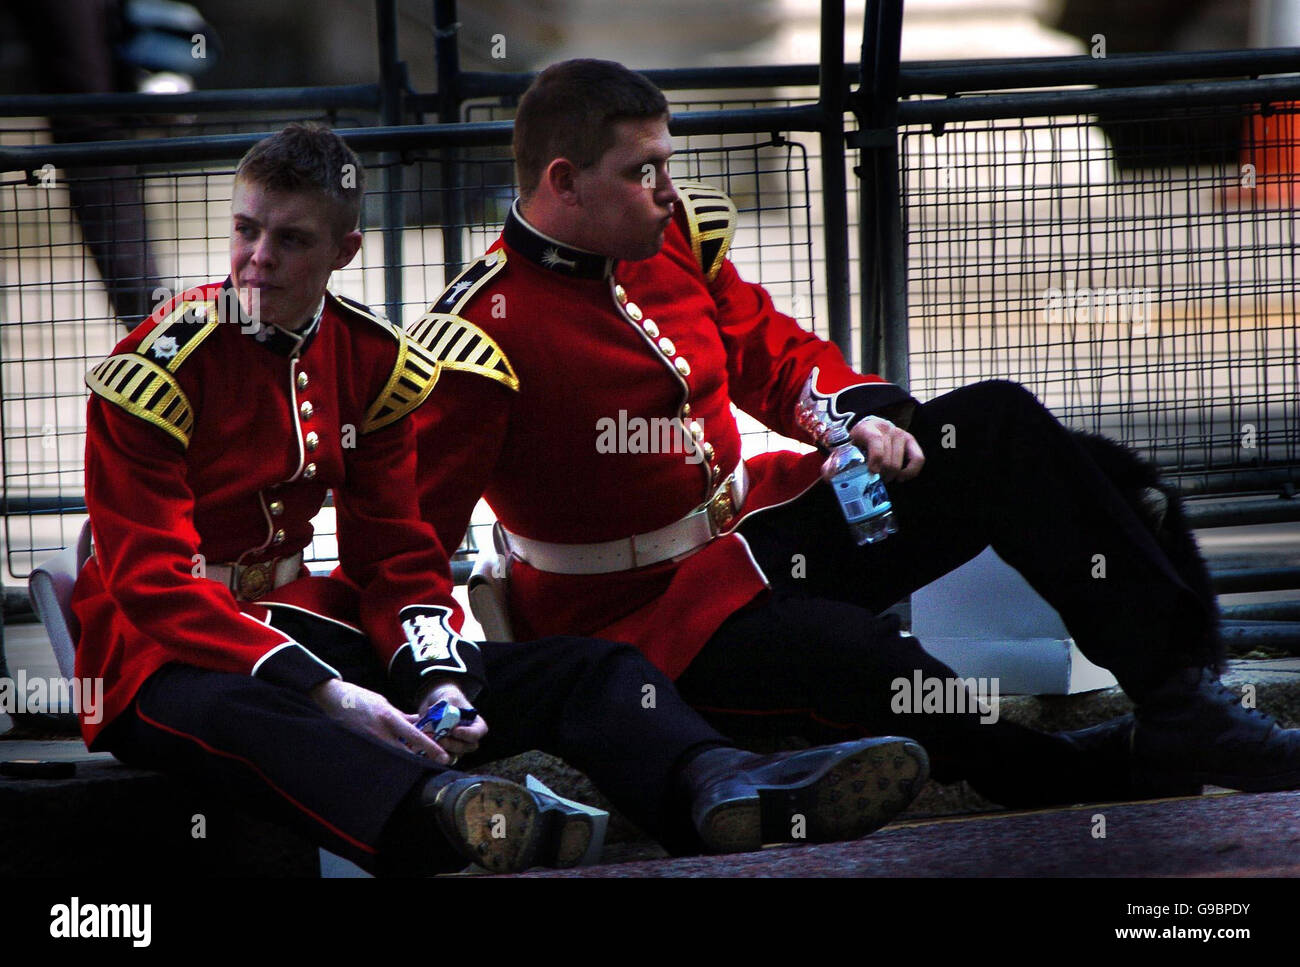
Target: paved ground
[(1225, 834)]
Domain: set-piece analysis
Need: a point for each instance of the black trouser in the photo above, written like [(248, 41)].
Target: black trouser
[(599, 706), (813, 657)]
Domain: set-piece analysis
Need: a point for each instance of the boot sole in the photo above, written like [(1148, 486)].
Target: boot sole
[(566, 838), (846, 799), (495, 824)]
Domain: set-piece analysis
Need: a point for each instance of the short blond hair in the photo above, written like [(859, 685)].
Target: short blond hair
[(309, 157)]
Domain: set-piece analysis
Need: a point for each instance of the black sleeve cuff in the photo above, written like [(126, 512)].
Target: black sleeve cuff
[(433, 650), (876, 399), (293, 666)]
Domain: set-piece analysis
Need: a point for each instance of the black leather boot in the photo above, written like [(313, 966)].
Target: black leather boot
[(1193, 727), (742, 800), (566, 832), (1024, 769), (1103, 767)]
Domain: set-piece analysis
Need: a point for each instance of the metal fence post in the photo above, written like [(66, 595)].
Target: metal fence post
[(447, 53), (391, 82), (835, 201), (883, 265)]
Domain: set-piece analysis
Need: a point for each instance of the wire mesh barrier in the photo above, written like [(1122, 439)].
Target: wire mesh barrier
[(57, 319), (1136, 270), (1132, 265)]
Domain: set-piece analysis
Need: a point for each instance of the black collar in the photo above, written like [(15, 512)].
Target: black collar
[(552, 254), (282, 342)]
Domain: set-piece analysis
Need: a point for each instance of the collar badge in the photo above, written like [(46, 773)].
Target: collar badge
[(165, 347), (551, 258)]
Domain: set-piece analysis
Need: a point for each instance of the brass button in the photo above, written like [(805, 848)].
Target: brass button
[(302, 381), (650, 328), (683, 366), (634, 311), (279, 537), (313, 441), (686, 409), (666, 347), (277, 508), (620, 294), (715, 472), (309, 472), (306, 410), (708, 452), (697, 431)]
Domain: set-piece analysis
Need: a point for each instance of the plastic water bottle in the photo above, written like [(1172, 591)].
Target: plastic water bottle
[(861, 493)]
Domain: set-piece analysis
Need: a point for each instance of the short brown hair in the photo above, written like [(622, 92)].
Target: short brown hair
[(570, 110), (309, 157)]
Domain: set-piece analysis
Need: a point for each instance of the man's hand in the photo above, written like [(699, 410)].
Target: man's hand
[(369, 713), (891, 451), (463, 739)]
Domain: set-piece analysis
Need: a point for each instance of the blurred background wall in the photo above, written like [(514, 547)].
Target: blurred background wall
[(310, 42)]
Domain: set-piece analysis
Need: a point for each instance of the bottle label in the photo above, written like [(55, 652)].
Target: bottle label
[(861, 494)]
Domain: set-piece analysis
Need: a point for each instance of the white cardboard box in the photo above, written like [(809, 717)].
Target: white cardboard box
[(985, 621)]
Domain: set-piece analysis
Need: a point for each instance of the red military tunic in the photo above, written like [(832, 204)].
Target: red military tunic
[(212, 442), (595, 346)]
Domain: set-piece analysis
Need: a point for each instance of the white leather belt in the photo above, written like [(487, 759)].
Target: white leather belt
[(641, 550), (248, 582)]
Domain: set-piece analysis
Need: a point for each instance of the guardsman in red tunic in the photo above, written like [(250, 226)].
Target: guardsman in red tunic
[(214, 432), (608, 449)]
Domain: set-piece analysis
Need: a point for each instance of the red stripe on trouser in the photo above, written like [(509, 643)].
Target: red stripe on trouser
[(238, 758)]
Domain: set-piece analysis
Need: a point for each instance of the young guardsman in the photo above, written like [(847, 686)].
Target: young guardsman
[(214, 431), (613, 310)]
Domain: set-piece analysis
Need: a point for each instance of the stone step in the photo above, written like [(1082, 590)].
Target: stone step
[(1273, 685), (110, 819)]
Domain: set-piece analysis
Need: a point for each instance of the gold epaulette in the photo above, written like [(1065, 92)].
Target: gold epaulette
[(411, 380), (409, 384), (711, 216), (456, 343), (142, 387), (141, 382)]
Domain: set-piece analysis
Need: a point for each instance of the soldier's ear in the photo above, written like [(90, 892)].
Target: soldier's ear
[(560, 179), (349, 245)]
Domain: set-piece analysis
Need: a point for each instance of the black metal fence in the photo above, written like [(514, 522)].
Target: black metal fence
[(1136, 267), (1126, 251)]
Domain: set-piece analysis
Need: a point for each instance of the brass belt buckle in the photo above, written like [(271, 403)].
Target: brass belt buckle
[(722, 507), (256, 579)]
